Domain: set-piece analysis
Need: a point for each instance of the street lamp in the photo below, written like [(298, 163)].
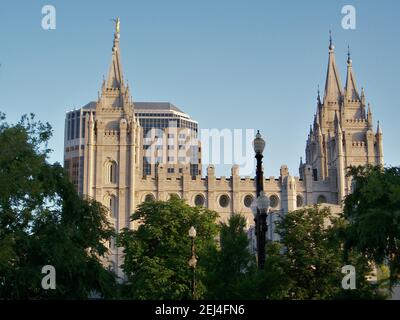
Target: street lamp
[(193, 261), (260, 205)]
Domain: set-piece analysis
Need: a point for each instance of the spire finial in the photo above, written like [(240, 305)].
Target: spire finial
[(348, 55), (379, 129), (331, 46)]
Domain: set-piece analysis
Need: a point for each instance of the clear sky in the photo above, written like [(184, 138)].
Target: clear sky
[(228, 64)]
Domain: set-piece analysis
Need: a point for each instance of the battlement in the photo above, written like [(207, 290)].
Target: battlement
[(356, 121), (358, 144)]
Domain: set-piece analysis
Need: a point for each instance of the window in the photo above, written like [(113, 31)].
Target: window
[(248, 200), (149, 197), (194, 169), (224, 201), (171, 159), (315, 174), (111, 172), (112, 206), (171, 135), (273, 201), (199, 200), (299, 201), (321, 199), (170, 170), (146, 167)]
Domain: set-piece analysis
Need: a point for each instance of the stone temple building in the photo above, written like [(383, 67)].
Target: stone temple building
[(106, 142)]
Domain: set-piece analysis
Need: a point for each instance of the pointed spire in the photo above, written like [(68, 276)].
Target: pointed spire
[(379, 129), (114, 79), (333, 85), (318, 96), (362, 96), (369, 117), (351, 86)]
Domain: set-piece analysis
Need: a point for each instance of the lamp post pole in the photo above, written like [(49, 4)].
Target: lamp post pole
[(193, 262), (260, 218)]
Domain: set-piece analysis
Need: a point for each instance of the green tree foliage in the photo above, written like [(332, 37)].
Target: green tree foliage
[(312, 255), (157, 253), (231, 267), (373, 212), (44, 222)]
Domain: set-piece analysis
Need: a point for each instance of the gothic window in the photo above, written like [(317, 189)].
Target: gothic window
[(248, 200), (111, 172), (299, 201), (199, 200), (112, 206), (224, 201), (273, 201), (321, 199)]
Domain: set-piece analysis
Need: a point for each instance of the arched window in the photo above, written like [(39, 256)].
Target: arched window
[(199, 200), (112, 206), (321, 199), (248, 200), (273, 201), (174, 195), (111, 172), (224, 201), (299, 201), (149, 197)]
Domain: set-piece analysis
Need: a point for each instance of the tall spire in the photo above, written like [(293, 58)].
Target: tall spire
[(115, 79), (379, 129), (318, 97), (333, 85), (351, 86)]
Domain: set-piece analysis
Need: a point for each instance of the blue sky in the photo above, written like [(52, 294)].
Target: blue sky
[(229, 64)]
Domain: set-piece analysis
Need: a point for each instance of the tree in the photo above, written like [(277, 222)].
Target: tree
[(43, 221), (231, 267), (156, 254), (312, 255), (373, 212)]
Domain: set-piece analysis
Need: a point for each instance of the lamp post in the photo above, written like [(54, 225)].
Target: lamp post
[(193, 261), (260, 205)]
